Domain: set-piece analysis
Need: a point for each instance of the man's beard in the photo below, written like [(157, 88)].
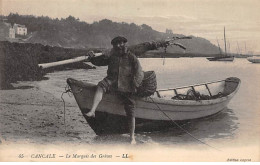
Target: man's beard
[(121, 50)]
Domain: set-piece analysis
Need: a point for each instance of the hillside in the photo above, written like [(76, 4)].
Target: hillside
[(73, 33), (196, 45)]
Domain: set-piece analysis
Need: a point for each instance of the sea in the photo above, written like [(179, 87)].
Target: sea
[(237, 125)]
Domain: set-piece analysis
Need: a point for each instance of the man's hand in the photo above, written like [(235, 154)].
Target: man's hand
[(90, 54), (160, 44)]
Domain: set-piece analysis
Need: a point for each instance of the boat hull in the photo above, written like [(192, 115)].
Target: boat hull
[(106, 123), (230, 59), (152, 113), (254, 59)]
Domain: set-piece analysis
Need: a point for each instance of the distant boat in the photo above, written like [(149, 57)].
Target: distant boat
[(224, 57), (180, 104), (221, 58), (254, 59)]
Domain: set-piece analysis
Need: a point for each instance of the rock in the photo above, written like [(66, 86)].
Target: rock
[(19, 61)]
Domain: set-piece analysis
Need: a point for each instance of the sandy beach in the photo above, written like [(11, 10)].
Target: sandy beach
[(30, 114), (33, 116), (32, 124)]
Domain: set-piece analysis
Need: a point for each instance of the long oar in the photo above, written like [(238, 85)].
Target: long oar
[(64, 62)]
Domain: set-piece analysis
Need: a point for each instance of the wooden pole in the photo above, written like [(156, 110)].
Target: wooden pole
[(64, 62)]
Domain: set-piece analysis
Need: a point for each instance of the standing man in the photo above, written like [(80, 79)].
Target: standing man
[(124, 75)]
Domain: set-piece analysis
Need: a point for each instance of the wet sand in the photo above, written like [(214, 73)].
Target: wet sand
[(32, 123), (30, 114)]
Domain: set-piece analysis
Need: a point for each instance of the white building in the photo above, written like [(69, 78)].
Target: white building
[(20, 29), (169, 31), (7, 31)]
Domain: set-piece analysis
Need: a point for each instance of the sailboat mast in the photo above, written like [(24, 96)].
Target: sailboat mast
[(219, 47), (238, 48), (228, 47), (245, 48), (225, 41)]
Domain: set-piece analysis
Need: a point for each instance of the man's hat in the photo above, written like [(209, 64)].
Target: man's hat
[(118, 39)]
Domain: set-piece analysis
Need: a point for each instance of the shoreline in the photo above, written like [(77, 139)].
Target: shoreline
[(30, 114)]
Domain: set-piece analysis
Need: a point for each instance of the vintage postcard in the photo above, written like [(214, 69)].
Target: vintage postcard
[(129, 81)]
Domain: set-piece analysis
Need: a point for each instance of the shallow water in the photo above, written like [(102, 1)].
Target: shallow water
[(237, 125)]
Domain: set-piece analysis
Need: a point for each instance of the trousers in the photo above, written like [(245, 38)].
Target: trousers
[(129, 103), (127, 97)]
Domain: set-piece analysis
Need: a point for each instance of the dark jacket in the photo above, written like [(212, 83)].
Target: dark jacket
[(124, 70)]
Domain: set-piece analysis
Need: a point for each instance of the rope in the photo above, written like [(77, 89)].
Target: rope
[(183, 128), (67, 90)]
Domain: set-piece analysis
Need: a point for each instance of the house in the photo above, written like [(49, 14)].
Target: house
[(20, 29), (6, 31), (11, 32), (169, 31)]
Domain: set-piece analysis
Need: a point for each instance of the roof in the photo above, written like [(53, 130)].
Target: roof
[(23, 26)]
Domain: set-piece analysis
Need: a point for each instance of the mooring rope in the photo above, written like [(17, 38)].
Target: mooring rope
[(67, 90), (183, 128)]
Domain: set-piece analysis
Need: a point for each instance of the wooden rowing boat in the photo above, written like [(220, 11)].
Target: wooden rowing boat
[(183, 103)]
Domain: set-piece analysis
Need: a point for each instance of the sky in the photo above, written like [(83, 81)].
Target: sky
[(200, 18)]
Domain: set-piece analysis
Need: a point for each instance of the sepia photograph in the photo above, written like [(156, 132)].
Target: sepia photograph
[(129, 81)]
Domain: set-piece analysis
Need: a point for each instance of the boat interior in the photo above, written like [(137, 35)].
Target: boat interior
[(205, 91)]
